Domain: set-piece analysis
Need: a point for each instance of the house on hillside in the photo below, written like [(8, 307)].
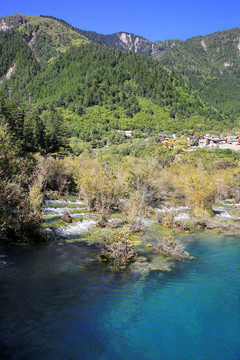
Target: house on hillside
[(169, 143), (203, 141)]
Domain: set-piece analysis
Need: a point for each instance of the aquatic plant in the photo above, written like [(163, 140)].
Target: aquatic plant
[(119, 253), (172, 248), (116, 246), (167, 218)]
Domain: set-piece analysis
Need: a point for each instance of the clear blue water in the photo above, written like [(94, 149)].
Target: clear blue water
[(56, 302)]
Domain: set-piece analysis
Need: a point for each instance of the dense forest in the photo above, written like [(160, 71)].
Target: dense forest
[(31, 130), (100, 90), (15, 54), (25, 131), (209, 63)]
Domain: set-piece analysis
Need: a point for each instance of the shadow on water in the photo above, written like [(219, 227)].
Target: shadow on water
[(6, 352)]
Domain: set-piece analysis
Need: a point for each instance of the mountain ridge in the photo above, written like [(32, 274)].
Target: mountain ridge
[(121, 39), (59, 66), (210, 63), (11, 20)]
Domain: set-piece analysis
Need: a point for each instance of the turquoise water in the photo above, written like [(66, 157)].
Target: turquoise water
[(57, 302)]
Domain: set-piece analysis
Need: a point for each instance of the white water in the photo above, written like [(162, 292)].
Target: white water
[(183, 212), (228, 202), (219, 208), (148, 222), (78, 214), (227, 205), (182, 217), (225, 214), (77, 202), (76, 228), (2, 262), (89, 220), (59, 211), (180, 208)]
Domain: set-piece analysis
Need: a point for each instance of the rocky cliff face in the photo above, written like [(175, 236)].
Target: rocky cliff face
[(131, 42), (4, 26), (7, 22), (135, 43)]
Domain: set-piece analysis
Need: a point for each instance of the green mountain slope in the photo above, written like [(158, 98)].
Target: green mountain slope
[(120, 40), (94, 75), (46, 37), (212, 65), (97, 86), (16, 61), (27, 45)]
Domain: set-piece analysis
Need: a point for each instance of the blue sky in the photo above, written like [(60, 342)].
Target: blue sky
[(154, 20)]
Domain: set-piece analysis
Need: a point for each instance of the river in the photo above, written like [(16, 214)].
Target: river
[(58, 302)]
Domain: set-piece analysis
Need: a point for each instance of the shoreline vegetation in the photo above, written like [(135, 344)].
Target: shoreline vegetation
[(126, 191)]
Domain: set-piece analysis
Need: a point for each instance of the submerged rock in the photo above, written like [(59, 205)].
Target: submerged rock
[(141, 259), (145, 267), (184, 228)]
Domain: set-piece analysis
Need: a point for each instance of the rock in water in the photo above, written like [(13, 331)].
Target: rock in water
[(66, 217), (201, 225)]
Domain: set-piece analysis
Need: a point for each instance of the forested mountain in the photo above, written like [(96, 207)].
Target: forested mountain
[(99, 89), (16, 60), (211, 64), (46, 37)]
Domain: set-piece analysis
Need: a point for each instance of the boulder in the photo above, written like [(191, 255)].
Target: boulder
[(66, 217), (200, 225)]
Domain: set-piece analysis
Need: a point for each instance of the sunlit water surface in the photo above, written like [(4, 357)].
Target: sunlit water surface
[(57, 302)]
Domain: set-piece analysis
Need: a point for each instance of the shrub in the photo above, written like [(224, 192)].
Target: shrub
[(167, 218), (20, 205), (99, 185), (172, 248), (116, 248)]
